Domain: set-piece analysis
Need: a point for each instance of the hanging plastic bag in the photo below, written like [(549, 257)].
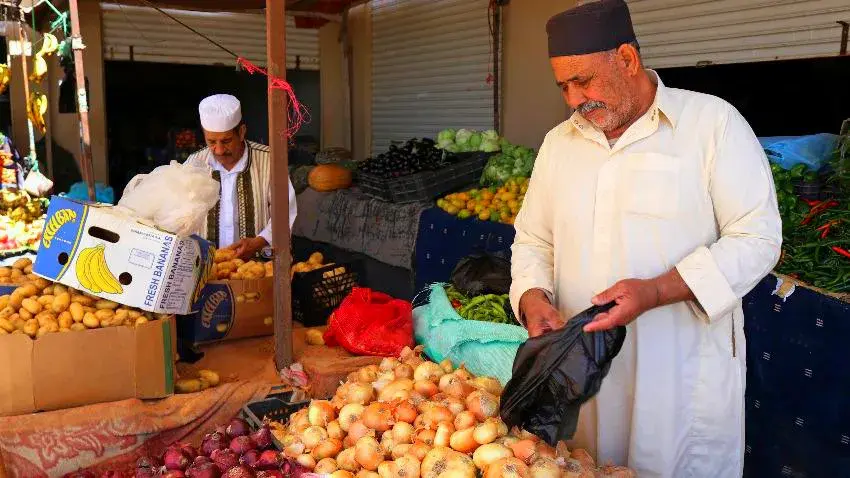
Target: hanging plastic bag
[(482, 274), (555, 373), (788, 151), (371, 323), (175, 197)]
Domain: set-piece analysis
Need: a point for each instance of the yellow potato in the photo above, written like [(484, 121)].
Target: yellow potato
[(316, 258), (40, 283), (28, 269), (21, 264), (205, 384), (48, 290), (187, 385), (78, 327), (58, 289), (76, 311), (61, 302), (52, 326), (121, 316), (3, 332), (222, 255), (6, 325), (236, 276), (65, 319), (15, 300), (42, 331), (210, 376), (105, 304), (45, 317), (140, 321), (27, 290), (17, 322), (6, 312), (25, 314), (31, 328), (135, 314), (31, 305), (160, 316), (104, 314), (16, 275), (90, 321), (64, 329), (45, 300), (82, 299), (315, 337), (5, 273), (107, 322)]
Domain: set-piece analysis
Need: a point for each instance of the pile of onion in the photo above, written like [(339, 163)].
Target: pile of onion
[(409, 418), (231, 451)]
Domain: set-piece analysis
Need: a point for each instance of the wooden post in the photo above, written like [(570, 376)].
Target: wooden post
[(86, 168), (23, 40), (278, 143)]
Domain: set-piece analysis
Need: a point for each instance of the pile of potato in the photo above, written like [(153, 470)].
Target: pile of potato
[(229, 267), (41, 307), (19, 273)]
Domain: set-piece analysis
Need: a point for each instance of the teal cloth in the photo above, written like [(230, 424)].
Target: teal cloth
[(484, 348)]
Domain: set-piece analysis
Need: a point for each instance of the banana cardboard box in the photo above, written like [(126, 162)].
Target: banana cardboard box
[(230, 309), (99, 250)]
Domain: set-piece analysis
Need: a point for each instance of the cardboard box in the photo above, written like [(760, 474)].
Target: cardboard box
[(98, 250), (231, 309), (71, 369)]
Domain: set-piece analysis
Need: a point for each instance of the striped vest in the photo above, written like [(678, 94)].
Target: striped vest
[(252, 192)]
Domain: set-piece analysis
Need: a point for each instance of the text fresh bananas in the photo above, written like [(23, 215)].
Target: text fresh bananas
[(57, 220), (93, 274)]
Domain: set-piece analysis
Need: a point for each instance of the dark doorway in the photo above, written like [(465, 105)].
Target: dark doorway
[(778, 98), (147, 102)]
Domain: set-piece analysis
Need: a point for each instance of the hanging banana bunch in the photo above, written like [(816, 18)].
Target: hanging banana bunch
[(5, 77), (49, 46), (36, 111)]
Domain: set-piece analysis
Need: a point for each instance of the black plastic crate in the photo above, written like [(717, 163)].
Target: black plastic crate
[(278, 406), (316, 294), (427, 185), (374, 186)]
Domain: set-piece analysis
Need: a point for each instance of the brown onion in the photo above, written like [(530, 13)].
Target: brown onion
[(327, 449), (403, 371), (405, 412), (488, 384), (482, 404), (543, 468), (312, 436), (335, 430), (368, 453), (442, 437), (447, 366), (463, 441), (396, 389), (486, 454), (463, 373), (368, 374), (419, 450), (464, 420), (346, 460), (378, 416), (350, 414), (306, 461), (428, 371), (327, 465), (401, 450), (388, 364), (445, 462), (360, 392), (425, 388), (524, 450), (486, 432), (402, 433), (507, 468), (359, 430), (320, 413)]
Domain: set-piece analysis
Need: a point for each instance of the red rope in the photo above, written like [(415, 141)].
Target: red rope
[(297, 115)]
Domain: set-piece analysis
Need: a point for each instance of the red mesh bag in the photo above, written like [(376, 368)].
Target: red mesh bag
[(371, 323)]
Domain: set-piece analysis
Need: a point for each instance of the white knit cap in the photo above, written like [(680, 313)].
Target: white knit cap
[(220, 113)]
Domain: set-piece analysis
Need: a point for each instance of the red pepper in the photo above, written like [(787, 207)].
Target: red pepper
[(841, 251), (811, 202), (456, 304), (817, 209), (826, 227)]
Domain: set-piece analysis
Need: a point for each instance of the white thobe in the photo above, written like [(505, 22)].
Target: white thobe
[(686, 186), (228, 222)]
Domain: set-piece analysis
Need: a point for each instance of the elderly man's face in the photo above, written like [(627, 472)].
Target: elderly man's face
[(599, 87), (227, 147)]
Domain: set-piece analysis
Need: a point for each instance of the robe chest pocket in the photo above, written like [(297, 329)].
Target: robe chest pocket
[(649, 185)]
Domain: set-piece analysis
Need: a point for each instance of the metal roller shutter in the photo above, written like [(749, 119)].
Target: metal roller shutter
[(144, 34), (430, 64), (687, 32)]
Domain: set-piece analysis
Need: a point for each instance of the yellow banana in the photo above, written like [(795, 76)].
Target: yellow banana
[(82, 271), (49, 44), (102, 275), (39, 68)]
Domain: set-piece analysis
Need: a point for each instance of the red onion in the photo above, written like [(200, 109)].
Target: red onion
[(269, 460), (147, 467), (263, 438), (173, 474), (203, 470), (237, 428), (270, 474), (113, 474), (222, 429), (213, 441), (241, 444), (224, 459), (188, 450), (250, 458), (176, 459), (239, 471), (200, 460), (82, 474)]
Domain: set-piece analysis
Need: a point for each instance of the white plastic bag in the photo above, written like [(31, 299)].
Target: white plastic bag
[(175, 197), (37, 184)]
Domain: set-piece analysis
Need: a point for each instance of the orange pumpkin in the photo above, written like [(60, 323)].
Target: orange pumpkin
[(329, 177)]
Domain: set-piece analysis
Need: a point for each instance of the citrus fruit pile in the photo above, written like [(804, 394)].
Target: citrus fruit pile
[(496, 204)]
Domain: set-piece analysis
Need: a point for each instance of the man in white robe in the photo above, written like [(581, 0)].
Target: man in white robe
[(241, 219), (662, 201)]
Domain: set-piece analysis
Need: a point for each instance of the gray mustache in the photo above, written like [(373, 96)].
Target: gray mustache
[(589, 106)]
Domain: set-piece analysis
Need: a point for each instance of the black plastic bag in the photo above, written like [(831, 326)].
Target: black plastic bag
[(555, 373), (482, 274)]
